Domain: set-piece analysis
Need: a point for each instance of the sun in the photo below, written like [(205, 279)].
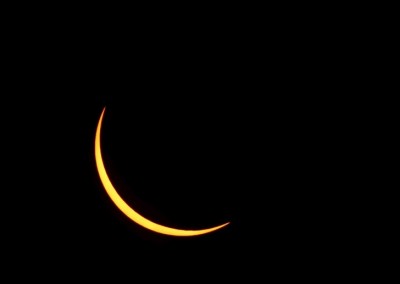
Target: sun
[(129, 211)]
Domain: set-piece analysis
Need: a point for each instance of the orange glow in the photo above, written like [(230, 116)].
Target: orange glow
[(126, 209)]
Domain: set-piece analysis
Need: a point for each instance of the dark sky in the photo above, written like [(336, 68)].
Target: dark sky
[(188, 150), (184, 162), (177, 162)]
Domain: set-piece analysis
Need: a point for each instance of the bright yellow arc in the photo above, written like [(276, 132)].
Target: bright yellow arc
[(126, 209)]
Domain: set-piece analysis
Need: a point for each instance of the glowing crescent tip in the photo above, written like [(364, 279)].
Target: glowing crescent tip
[(126, 209)]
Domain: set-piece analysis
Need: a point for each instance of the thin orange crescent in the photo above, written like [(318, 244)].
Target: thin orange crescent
[(126, 209)]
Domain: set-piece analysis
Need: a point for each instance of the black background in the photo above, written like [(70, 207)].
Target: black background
[(193, 136), (186, 161)]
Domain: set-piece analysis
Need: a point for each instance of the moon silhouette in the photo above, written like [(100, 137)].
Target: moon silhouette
[(126, 209)]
